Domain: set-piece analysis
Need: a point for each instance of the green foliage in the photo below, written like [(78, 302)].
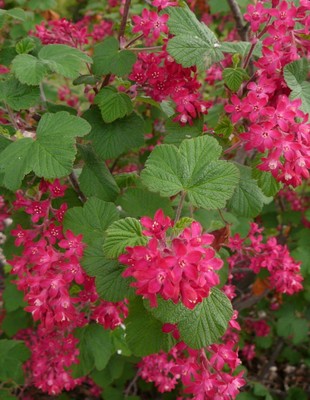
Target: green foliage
[(31, 70), (295, 75), (233, 78), (224, 127), (109, 59), (268, 184), (123, 233), (289, 326), (51, 155), (13, 353), (203, 325), (194, 43), (95, 179), (95, 346), (194, 168), (144, 333), (248, 198), (91, 220), (139, 202), (18, 96), (113, 104), (112, 140), (12, 297), (110, 284)]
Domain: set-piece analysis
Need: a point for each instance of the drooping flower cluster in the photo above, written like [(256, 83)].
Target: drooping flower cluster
[(62, 31), (276, 125), (252, 253), (46, 271), (207, 374), (181, 269), (162, 78)]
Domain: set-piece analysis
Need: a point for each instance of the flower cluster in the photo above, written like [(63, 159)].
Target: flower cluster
[(46, 271), (207, 374), (276, 125), (62, 31), (161, 77), (181, 269), (284, 272)]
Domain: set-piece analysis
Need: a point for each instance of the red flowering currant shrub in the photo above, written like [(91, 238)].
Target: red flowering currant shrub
[(154, 170)]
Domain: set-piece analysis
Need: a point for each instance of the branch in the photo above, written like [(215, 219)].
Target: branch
[(242, 28), (75, 184), (124, 20)]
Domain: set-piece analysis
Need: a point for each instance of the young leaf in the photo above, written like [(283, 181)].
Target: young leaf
[(95, 347), (233, 77), (113, 104), (248, 199), (95, 178), (295, 75), (268, 184), (224, 127), (111, 140), (109, 59), (203, 325), (123, 233), (91, 220), (194, 43), (193, 168), (17, 95)]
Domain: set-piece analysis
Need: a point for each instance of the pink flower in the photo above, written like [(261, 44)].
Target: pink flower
[(73, 244)]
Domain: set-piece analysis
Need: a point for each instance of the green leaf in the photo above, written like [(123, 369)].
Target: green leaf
[(248, 199), (112, 140), (181, 224), (203, 325), (25, 45), (95, 178), (224, 127), (110, 284), (268, 184), (291, 326), (15, 13), (295, 75), (139, 202), (42, 4), (28, 69), (242, 48), (144, 332), (123, 233), (194, 43), (193, 168), (15, 162), (109, 59), (12, 355), (233, 77), (12, 297), (113, 104), (95, 346), (54, 151), (17, 95), (64, 60), (91, 220), (176, 133), (15, 321)]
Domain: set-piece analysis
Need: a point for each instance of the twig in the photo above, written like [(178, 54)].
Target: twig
[(272, 359), (242, 28), (124, 20), (12, 116), (75, 184), (242, 304), (180, 206), (132, 384)]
